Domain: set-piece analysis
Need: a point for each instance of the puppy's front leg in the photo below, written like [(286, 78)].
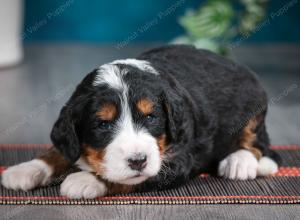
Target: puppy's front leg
[(88, 185), (82, 185), (37, 172)]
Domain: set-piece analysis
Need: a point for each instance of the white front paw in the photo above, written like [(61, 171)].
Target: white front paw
[(82, 185), (27, 175), (240, 165)]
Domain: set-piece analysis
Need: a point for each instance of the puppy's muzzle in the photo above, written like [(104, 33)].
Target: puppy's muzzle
[(137, 162)]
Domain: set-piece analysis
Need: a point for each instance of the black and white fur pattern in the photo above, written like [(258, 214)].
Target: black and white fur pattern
[(201, 104)]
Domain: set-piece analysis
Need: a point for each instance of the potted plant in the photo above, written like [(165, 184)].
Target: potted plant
[(217, 22)]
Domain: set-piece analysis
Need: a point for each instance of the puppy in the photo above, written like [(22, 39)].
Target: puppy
[(153, 123)]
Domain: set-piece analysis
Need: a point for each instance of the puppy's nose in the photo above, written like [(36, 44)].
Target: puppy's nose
[(137, 162)]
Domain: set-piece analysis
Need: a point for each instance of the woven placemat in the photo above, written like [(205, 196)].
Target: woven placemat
[(282, 188)]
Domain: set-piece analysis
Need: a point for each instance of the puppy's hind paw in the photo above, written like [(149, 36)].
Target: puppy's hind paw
[(240, 165)]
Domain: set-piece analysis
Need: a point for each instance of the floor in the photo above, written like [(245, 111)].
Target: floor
[(32, 94), (145, 212)]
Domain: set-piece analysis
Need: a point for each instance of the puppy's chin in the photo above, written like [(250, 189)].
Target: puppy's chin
[(133, 180), (130, 177)]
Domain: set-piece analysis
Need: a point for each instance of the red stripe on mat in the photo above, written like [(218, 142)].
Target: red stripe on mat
[(2, 169), (25, 145), (288, 171), (285, 147), (273, 147), (151, 197)]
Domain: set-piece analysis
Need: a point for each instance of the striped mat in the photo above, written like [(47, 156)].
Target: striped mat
[(282, 188)]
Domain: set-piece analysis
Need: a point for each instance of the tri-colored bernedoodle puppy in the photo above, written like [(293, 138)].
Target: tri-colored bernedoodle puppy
[(153, 123)]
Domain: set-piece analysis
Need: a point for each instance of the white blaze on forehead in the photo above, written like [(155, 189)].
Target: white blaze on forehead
[(139, 64), (111, 75)]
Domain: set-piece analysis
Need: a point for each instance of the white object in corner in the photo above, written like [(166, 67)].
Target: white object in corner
[(11, 24)]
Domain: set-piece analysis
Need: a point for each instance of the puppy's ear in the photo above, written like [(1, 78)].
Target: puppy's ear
[(175, 112), (64, 136)]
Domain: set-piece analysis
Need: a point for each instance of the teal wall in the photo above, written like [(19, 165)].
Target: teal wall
[(118, 20)]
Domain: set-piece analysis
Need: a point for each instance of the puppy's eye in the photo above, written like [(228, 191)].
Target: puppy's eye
[(150, 118), (105, 125)]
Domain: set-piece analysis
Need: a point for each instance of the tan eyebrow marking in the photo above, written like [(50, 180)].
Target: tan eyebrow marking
[(145, 106), (107, 112)]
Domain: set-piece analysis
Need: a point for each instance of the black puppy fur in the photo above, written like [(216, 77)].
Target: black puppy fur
[(204, 102)]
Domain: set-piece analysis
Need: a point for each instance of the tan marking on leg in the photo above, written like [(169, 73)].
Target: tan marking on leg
[(248, 138), (107, 112), (55, 160), (145, 106)]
